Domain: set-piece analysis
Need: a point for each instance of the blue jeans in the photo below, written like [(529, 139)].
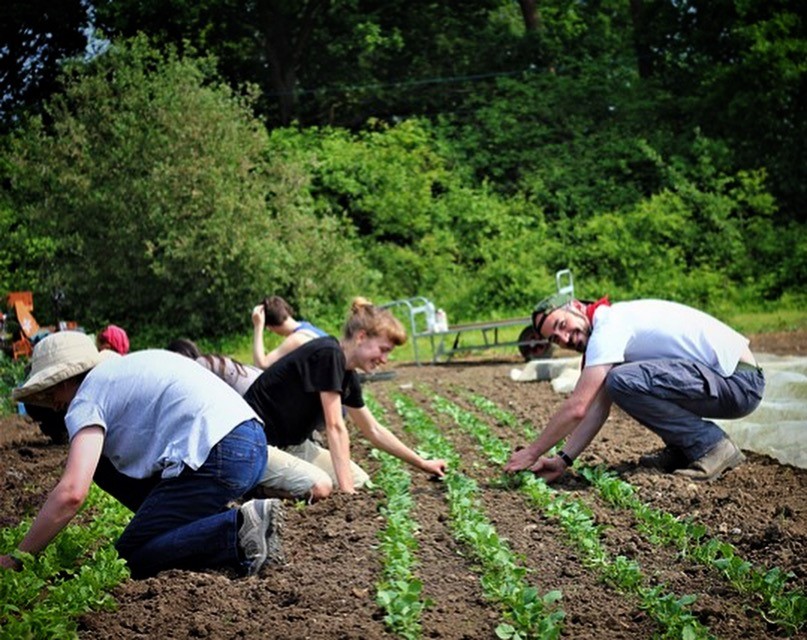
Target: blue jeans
[(130, 492), (184, 522), (675, 398)]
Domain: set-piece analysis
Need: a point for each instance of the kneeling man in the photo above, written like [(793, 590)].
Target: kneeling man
[(170, 440)]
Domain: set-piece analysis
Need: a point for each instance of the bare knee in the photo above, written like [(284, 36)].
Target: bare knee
[(320, 490)]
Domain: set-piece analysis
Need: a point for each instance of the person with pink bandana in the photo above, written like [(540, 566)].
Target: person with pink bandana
[(113, 338)]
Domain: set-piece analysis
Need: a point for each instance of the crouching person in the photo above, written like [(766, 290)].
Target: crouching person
[(173, 442), (308, 387)]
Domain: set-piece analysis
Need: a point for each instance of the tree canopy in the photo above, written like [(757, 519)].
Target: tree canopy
[(150, 182), (35, 36), (220, 150)]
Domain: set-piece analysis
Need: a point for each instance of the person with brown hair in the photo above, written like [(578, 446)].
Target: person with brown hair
[(671, 367), (275, 314), (309, 387), (238, 375)]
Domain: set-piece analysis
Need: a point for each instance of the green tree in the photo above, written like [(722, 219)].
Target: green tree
[(22, 249), (152, 180), (704, 238), (35, 36), (425, 228), (736, 69), (333, 61)]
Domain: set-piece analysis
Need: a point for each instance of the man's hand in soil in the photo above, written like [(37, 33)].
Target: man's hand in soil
[(521, 459), (550, 469)]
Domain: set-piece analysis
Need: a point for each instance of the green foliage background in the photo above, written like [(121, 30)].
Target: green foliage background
[(159, 189)]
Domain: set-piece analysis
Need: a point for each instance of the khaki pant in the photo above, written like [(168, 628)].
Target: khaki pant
[(297, 468)]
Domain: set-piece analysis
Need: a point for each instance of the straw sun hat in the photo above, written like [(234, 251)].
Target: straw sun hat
[(58, 357)]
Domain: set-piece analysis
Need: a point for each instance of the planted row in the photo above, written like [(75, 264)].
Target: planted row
[(399, 592), (782, 607), (73, 575), (668, 610), (785, 608), (526, 613)]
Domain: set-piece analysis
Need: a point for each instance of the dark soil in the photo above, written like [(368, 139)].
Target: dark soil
[(326, 587)]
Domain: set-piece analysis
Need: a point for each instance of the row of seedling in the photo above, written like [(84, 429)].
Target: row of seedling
[(72, 576), (525, 612), (668, 610), (780, 606), (399, 592)]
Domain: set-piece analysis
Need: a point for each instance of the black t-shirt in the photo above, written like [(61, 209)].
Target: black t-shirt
[(286, 395)]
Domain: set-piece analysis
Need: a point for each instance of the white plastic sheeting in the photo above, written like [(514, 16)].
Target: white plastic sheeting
[(777, 428)]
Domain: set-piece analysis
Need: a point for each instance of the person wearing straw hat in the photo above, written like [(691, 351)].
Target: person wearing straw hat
[(51, 423), (158, 421), (671, 367)]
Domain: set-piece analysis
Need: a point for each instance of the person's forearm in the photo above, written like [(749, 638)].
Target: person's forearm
[(589, 426), (258, 357), (560, 425), (385, 440), (57, 511), (339, 447)]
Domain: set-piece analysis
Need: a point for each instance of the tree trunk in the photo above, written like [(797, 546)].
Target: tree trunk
[(641, 43), (285, 38), (529, 11)]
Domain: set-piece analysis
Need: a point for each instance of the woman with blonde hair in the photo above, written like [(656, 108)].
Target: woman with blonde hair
[(308, 388)]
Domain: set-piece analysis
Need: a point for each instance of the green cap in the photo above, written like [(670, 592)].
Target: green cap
[(547, 306)]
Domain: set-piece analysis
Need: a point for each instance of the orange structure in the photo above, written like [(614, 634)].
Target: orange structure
[(23, 304), (20, 305)]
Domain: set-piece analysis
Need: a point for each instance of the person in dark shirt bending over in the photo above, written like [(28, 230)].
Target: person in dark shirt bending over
[(307, 388)]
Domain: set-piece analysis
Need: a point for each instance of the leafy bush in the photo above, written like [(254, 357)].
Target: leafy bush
[(696, 241), (153, 182), (11, 375)]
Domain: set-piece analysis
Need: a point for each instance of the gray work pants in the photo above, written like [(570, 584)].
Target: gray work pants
[(675, 398)]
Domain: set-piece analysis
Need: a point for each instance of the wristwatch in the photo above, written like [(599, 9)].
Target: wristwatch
[(567, 459), (17, 562)]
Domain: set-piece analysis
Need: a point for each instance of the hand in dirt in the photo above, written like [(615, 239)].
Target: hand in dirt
[(550, 469), (258, 316), (435, 467), (520, 460)]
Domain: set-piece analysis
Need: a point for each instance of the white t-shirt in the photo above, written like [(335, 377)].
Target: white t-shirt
[(160, 411), (238, 377), (655, 329)]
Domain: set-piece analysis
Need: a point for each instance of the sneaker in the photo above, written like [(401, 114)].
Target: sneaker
[(667, 459), (259, 535), (723, 456)]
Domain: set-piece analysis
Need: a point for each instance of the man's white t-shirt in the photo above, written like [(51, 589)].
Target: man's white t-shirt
[(161, 411), (656, 329)]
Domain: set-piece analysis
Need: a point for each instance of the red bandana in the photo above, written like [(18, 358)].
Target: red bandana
[(590, 309), (593, 306)]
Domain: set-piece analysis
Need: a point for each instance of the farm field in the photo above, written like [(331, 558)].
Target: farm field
[(627, 554)]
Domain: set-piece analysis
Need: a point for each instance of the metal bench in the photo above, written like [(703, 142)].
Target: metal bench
[(446, 343)]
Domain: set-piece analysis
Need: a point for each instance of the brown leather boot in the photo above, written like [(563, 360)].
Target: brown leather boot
[(723, 456), (666, 459)]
